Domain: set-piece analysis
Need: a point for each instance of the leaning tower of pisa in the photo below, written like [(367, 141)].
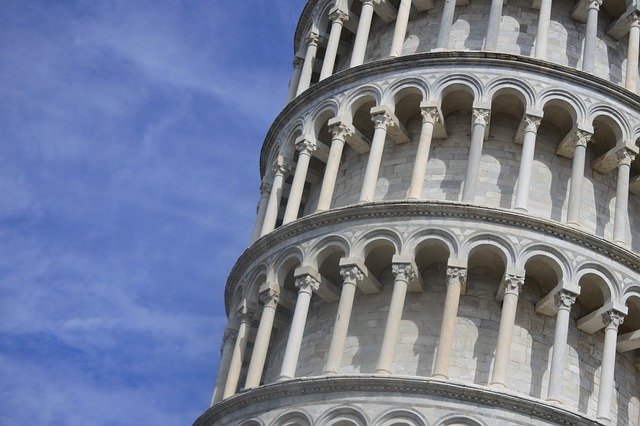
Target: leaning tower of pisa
[(449, 222)]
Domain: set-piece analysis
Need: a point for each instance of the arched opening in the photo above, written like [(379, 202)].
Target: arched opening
[(361, 115)]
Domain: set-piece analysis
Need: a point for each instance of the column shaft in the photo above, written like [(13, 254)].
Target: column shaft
[(295, 78), (305, 149), (621, 216), (564, 302), (480, 120), (338, 17), (271, 215), (400, 31), (362, 34), (265, 190), (309, 59), (351, 275), (307, 286), (403, 273), (493, 30), (513, 285), (261, 345), (446, 22), (429, 118), (542, 38), (455, 278), (238, 355), (339, 132), (225, 360), (631, 81), (591, 36), (577, 175), (613, 320), (381, 121), (526, 162)]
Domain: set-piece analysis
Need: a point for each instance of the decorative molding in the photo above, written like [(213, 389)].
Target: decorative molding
[(456, 276), (565, 299), (351, 274)]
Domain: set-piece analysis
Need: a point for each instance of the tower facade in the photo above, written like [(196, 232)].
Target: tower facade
[(448, 228)]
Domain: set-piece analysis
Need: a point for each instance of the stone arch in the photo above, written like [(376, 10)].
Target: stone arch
[(558, 261), (630, 291), (252, 422), (289, 259), (319, 116), (236, 299), (447, 238), (523, 90), (255, 280), (321, 15), (459, 420), (577, 109), (344, 416), (598, 286), (413, 84), (499, 243), (328, 242), (632, 320), (364, 243), (619, 122), (446, 84), (356, 98), (293, 132), (293, 418), (400, 417)]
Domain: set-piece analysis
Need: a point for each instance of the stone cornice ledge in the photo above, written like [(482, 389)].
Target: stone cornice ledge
[(417, 386), (429, 209), (450, 58)]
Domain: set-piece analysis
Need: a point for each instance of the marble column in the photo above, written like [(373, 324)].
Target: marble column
[(306, 285), (591, 36), (493, 29), (526, 162), (295, 78), (400, 31), (631, 81), (362, 34), (613, 320), (309, 59), (480, 121), (621, 217), (351, 275), (245, 315), (270, 299), (228, 342), (542, 38), (381, 121), (512, 285), (339, 132), (305, 149), (455, 280), (265, 191), (577, 176), (446, 22), (281, 171), (403, 273), (564, 302), (430, 116), (338, 17)]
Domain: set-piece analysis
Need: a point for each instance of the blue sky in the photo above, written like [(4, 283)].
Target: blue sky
[(129, 142)]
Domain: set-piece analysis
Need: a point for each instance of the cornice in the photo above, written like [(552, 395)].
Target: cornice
[(430, 210), (418, 387), (449, 58)]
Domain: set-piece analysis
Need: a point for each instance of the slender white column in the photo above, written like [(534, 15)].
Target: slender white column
[(429, 117), (480, 121), (526, 162), (338, 17), (403, 273), (228, 342), (455, 279), (542, 37), (400, 32), (260, 347), (577, 176), (307, 285), (631, 81), (446, 22), (381, 121), (339, 131), (621, 218), (564, 302), (295, 78), (309, 59), (281, 171), (351, 275), (245, 316), (512, 285), (305, 150), (362, 34), (265, 191), (613, 320), (591, 36), (495, 16)]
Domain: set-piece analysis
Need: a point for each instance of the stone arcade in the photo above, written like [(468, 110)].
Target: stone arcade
[(448, 229)]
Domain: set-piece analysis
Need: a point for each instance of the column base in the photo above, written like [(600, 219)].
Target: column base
[(521, 210), (283, 379), (497, 385), (623, 244), (554, 401), (440, 377), (572, 224), (605, 420), (381, 372)]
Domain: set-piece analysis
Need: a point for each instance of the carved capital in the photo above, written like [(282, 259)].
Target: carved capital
[(298, 62), (305, 146), (246, 313), (340, 131), (265, 188), (512, 284), (565, 300), (531, 123), (351, 274), (430, 115), (270, 297), (634, 20), (338, 15), (456, 276), (582, 138), (281, 167), (313, 38), (625, 157), (382, 120), (612, 319), (481, 116), (403, 271), (595, 4), (307, 284)]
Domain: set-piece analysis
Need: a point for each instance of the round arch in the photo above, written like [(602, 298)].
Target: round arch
[(344, 416)]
